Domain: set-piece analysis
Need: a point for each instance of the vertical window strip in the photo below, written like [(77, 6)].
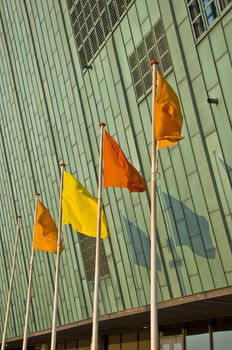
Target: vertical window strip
[(203, 13), (88, 246), (92, 21), (153, 46), (210, 11), (224, 3)]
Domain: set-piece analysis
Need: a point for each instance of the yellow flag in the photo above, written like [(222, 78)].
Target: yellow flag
[(168, 117), (79, 208), (45, 231)]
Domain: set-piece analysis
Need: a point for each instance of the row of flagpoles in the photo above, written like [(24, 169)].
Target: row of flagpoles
[(85, 214)]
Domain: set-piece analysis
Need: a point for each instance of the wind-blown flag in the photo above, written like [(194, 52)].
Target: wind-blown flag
[(168, 117), (45, 231), (118, 171), (79, 208)]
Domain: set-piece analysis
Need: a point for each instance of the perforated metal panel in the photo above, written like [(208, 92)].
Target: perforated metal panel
[(154, 46), (92, 21), (88, 247)]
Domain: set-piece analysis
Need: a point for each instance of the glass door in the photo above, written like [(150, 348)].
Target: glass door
[(174, 342)]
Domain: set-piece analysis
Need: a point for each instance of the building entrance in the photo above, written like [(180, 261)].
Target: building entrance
[(171, 343)]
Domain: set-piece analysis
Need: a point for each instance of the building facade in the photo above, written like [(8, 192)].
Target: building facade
[(67, 65)]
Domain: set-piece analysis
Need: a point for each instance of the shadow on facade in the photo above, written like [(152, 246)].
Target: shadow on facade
[(139, 245), (225, 166), (224, 170), (196, 235)]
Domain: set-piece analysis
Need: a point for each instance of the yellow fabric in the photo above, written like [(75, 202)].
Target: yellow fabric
[(79, 208), (45, 231), (168, 117)]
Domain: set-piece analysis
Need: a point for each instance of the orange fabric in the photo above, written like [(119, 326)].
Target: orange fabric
[(118, 172), (168, 117), (45, 231)]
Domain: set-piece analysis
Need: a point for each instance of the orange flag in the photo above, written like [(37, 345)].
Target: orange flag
[(168, 117), (118, 172), (45, 231)]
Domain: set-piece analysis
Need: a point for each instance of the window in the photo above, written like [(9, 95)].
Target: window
[(154, 46), (196, 17), (174, 342), (198, 341), (210, 11), (222, 340), (92, 21), (88, 246), (224, 3), (204, 12)]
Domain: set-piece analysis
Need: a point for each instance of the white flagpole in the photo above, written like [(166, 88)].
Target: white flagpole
[(97, 258), (154, 313), (59, 240), (11, 285), (30, 279)]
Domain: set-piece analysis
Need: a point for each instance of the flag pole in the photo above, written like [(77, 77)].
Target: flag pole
[(59, 240), (30, 279), (154, 313), (97, 257), (11, 285)]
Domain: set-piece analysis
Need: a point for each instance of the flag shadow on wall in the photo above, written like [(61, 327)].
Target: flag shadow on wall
[(225, 178), (226, 167), (197, 232), (139, 245), (199, 241)]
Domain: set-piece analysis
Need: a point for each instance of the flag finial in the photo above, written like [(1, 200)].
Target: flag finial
[(102, 124), (152, 62)]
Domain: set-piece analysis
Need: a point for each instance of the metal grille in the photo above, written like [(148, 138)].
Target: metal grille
[(154, 46), (70, 4), (92, 21), (88, 246), (203, 13)]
